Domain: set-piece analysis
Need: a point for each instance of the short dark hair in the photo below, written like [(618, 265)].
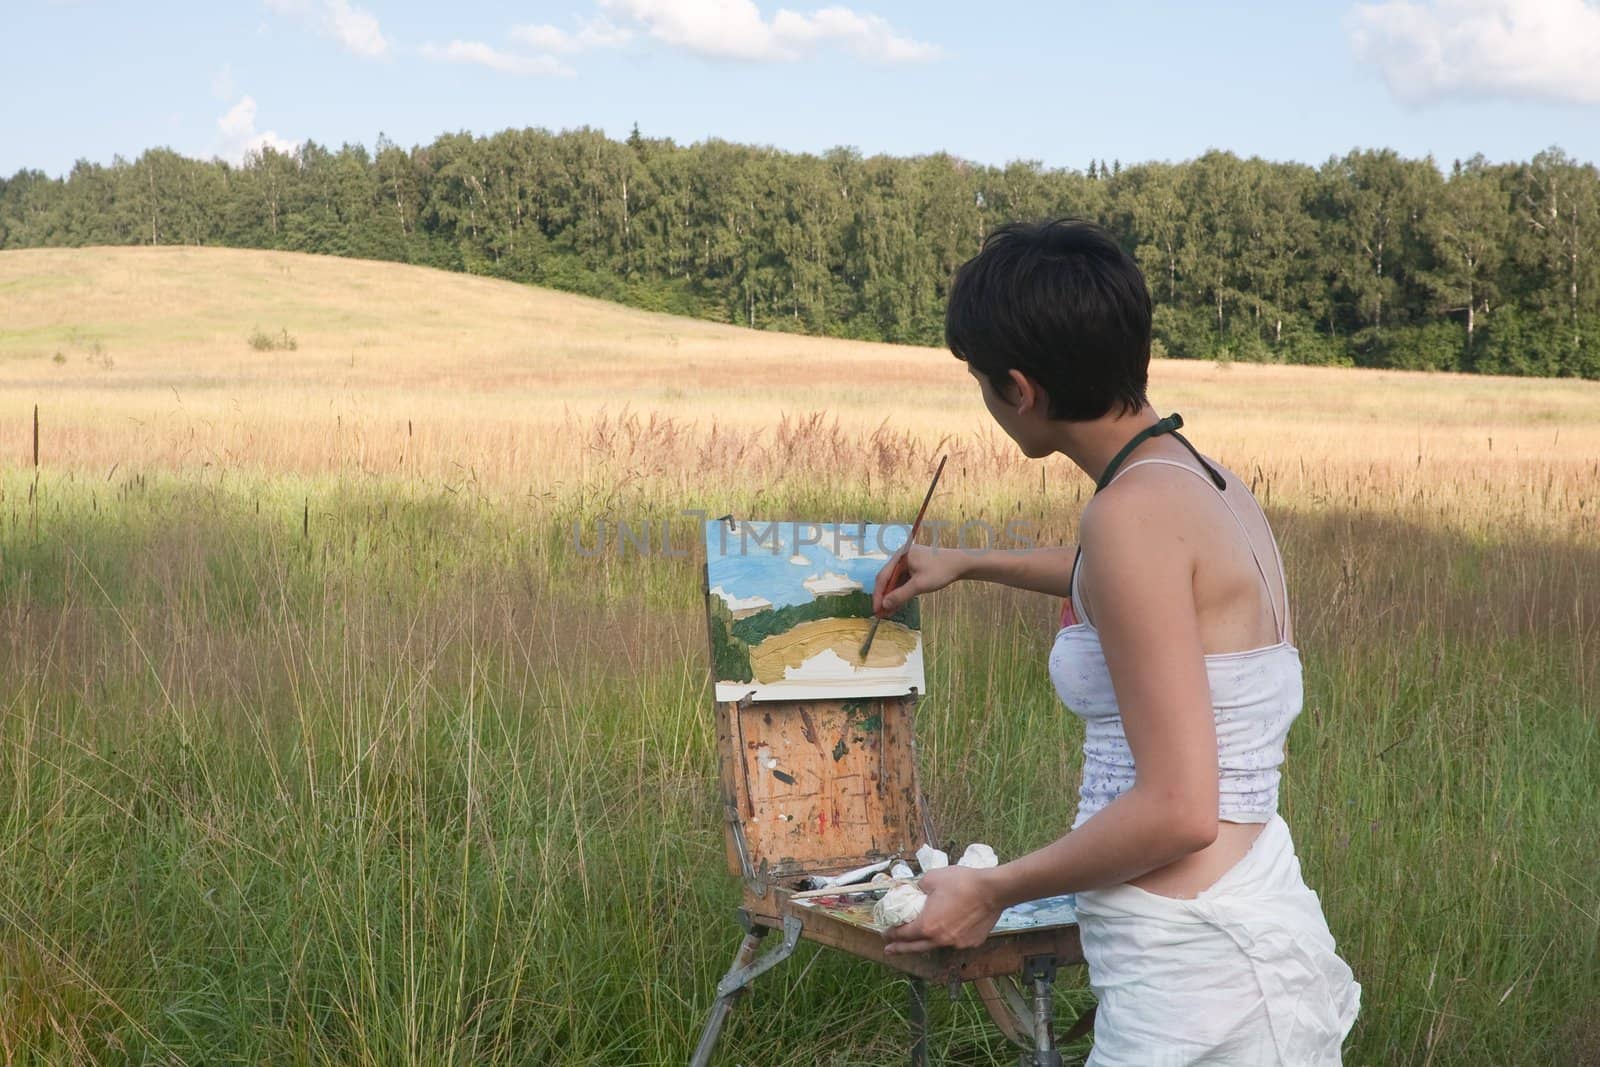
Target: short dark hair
[(1061, 302)]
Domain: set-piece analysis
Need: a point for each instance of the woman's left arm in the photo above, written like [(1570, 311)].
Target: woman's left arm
[(1150, 633)]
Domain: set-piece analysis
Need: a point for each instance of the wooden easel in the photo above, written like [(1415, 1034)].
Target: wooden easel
[(821, 787)]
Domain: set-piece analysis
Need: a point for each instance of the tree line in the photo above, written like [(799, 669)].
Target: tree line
[(1370, 259)]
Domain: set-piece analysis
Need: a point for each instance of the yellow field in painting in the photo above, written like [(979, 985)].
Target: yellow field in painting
[(775, 655), (139, 356)]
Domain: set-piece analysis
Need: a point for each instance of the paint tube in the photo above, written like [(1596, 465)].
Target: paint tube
[(931, 859), (902, 871)]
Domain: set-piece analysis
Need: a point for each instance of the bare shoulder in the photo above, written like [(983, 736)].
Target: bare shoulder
[(1159, 527), (1153, 504), (1141, 550)]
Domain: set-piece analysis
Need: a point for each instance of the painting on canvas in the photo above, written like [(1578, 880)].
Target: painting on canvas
[(790, 604)]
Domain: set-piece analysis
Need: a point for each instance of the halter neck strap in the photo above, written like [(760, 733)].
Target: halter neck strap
[(1170, 424)]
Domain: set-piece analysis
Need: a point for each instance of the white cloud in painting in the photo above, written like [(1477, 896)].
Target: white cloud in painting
[(1541, 49), (736, 29), (830, 584), (741, 606), (849, 546), (827, 668), (355, 28), (240, 136), (824, 666), (477, 53)]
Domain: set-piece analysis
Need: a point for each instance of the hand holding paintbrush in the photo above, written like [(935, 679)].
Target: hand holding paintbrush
[(898, 570)]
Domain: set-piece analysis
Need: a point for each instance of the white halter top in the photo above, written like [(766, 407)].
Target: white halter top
[(1255, 696)]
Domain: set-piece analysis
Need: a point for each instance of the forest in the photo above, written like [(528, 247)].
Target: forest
[(1370, 259)]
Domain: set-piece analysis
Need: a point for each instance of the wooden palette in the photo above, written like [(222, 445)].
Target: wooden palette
[(855, 909)]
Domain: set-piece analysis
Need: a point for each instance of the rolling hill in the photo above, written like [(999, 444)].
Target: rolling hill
[(143, 356)]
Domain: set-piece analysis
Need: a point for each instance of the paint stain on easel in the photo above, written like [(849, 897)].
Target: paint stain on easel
[(786, 779)]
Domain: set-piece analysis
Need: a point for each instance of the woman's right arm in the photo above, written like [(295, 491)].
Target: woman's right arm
[(1042, 570)]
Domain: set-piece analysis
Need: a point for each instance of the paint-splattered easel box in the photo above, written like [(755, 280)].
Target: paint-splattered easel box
[(819, 787)]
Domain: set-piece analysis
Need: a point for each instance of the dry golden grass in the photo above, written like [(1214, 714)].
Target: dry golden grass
[(440, 376)]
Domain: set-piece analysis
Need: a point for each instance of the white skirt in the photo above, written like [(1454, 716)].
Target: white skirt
[(1244, 974)]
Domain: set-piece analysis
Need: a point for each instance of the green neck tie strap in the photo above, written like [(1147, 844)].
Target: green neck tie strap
[(1170, 424)]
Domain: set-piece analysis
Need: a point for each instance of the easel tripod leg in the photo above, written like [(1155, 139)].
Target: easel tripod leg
[(1040, 974), (724, 1002), (746, 967), (919, 1023)]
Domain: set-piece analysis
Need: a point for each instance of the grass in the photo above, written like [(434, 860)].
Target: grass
[(320, 741)]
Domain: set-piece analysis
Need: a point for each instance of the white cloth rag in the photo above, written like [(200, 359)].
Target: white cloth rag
[(978, 856), (1244, 974), (899, 905)]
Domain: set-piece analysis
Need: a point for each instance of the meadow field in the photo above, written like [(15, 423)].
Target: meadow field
[(329, 735)]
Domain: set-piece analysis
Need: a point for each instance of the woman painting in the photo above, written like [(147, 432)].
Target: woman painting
[(1204, 945)]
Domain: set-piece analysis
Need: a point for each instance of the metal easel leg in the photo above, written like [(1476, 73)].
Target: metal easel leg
[(919, 1023), (746, 968), (1039, 972)]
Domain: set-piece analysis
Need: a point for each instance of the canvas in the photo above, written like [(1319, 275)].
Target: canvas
[(790, 604)]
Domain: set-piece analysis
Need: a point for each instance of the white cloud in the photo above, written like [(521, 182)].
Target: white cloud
[(726, 29), (867, 35), (240, 120), (591, 33), (354, 27), (736, 29), (602, 33), (483, 55), (357, 29), (1546, 49), (545, 38), (240, 136)]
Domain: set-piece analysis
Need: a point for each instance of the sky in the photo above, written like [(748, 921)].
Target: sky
[(1062, 82)]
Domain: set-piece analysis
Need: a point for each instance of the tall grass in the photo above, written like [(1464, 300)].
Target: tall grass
[(328, 771), (322, 741)]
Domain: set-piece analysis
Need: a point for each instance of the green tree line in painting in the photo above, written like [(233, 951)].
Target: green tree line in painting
[(1370, 259), (730, 657), (753, 629)]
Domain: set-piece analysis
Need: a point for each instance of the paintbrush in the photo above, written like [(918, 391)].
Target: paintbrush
[(848, 878), (858, 889), (897, 572)]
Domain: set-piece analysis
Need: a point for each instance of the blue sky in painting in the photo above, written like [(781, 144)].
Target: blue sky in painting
[(757, 558)]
